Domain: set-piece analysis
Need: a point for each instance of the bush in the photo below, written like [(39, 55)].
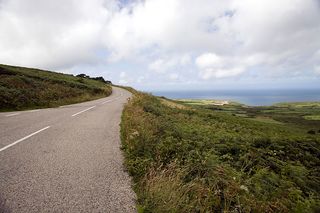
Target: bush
[(311, 132)]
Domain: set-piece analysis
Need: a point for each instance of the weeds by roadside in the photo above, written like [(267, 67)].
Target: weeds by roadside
[(198, 160)]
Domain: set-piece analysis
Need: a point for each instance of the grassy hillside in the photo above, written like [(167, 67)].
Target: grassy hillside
[(187, 158), (25, 88)]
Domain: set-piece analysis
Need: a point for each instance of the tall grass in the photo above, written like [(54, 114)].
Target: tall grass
[(197, 160)]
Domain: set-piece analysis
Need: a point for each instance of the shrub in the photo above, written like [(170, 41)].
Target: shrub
[(311, 132)]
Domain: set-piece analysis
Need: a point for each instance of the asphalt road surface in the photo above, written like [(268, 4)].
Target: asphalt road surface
[(65, 159)]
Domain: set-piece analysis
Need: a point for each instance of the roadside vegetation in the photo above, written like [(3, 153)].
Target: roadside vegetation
[(200, 158), (25, 88)]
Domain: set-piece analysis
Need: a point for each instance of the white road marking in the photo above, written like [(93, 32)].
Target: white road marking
[(64, 106), (36, 110), (108, 101), (83, 111), (22, 139), (12, 114), (116, 98)]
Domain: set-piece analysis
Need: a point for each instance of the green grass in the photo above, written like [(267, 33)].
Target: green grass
[(299, 104), (266, 120), (203, 159), (300, 115), (25, 88), (312, 117)]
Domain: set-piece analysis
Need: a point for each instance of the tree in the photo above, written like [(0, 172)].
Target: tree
[(83, 76)]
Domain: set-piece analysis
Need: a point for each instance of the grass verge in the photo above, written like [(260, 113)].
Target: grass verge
[(200, 160)]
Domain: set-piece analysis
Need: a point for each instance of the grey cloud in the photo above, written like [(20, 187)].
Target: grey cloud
[(278, 37)]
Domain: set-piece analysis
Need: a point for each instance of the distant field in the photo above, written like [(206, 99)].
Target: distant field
[(304, 115), (206, 102), (25, 88), (266, 120), (299, 104)]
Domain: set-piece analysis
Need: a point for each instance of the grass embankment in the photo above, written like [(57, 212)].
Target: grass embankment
[(26, 88), (192, 159)]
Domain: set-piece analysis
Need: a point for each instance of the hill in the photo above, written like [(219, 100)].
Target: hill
[(26, 88), (198, 158)]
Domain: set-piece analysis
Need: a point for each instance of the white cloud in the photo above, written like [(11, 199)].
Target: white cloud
[(240, 33), (213, 66), (317, 69), (51, 34), (162, 65), (185, 59), (138, 26), (173, 76), (209, 73), (214, 39), (140, 79), (209, 60), (123, 75), (123, 81)]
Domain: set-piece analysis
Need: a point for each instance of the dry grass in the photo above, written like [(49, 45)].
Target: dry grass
[(172, 104)]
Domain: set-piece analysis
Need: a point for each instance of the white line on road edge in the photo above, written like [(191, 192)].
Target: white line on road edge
[(64, 106), (22, 139), (12, 114), (83, 111), (35, 110)]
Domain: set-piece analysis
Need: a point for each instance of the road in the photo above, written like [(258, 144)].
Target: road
[(65, 159)]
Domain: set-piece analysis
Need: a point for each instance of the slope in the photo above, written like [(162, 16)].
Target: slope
[(26, 88), (192, 159)]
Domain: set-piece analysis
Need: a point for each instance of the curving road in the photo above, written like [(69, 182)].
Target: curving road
[(65, 159)]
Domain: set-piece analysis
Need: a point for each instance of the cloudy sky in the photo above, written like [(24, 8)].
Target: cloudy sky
[(168, 44)]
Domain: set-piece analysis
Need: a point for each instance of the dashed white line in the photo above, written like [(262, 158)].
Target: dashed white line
[(22, 139), (12, 114), (83, 111), (108, 101), (116, 98)]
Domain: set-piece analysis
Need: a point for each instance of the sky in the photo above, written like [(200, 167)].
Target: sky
[(157, 45)]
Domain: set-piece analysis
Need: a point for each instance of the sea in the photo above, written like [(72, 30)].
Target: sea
[(248, 97)]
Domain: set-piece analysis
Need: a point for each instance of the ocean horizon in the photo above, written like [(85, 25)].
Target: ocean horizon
[(249, 97)]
